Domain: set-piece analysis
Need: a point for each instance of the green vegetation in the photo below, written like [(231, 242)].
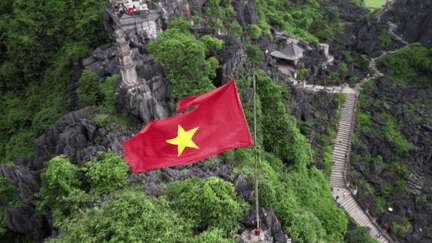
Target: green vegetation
[(88, 89), (310, 20), (36, 63), (411, 64), (392, 123), (254, 31), (93, 202), (207, 203), (254, 54), (107, 174), (370, 4), (359, 235), (8, 199), (129, 217), (401, 228), (300, 195), (214, 45), (374, 4), (183, 58), (60, 187), (385, 39)]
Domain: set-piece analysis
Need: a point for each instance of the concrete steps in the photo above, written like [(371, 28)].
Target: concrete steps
[(341, 150)]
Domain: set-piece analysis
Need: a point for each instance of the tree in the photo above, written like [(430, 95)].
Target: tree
[(88, 89), (254, 31), (184, 62), (129, 216), (207, 203), (108, 173)]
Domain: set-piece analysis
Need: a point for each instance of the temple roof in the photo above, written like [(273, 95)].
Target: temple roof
[(290, 52)]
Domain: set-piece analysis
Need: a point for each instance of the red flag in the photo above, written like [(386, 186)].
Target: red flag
[(215, 123)]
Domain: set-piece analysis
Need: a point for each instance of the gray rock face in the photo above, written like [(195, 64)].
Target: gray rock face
[(269, 222), (413, 201), (149, 98), (26, 221), (77, 136), (197, 6), (414, 19), (25, 181), (153, 180), (103, 61), (233, 60), (173, 8), (318, 110), (246, 12)]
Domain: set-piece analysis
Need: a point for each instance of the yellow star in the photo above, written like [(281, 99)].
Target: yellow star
[(183, 139)]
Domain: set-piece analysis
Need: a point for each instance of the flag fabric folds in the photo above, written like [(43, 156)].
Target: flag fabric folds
[(206, 125)]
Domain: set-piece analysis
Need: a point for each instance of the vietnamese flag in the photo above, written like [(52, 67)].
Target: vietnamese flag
[(214, 122)]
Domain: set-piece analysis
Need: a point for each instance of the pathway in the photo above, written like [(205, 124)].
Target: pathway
[(341, 155), (342, 147)]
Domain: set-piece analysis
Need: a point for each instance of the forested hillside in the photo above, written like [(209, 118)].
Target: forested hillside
[(66, 112), (391, 161)]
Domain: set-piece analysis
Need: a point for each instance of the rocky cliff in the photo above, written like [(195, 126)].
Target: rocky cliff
[(413, 18)]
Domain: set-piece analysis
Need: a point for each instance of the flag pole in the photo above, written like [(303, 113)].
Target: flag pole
[(257, 230)]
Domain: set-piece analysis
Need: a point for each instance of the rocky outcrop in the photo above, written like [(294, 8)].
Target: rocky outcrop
[(270, 226), (77, 136), (25, 181), (197, 6), (25, 220), (233, 59), (103, 61), (171, 9), (246, 12), (413, 18), (402, 179), (318, 111)]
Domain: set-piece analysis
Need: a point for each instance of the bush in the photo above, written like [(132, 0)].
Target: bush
[(401, 228), (254, 31), (214, 45), (108, 173), (207, 203), (235, 29), (130, 216), (359, 235), (60, 182), (409, 64), (183, 59), (102, 120), (88, 89), (180, 23), (254, 54), (279, 127), (107, 91), (392, 134), (213, 235)]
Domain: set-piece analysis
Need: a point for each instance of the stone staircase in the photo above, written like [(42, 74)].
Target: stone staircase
[(343, 142), (341, 155)]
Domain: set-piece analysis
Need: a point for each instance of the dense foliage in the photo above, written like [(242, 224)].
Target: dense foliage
[(128, 217), (359, 235), (39, 41), (300, 196), (93, 202), (390, 143), (208, 203), (108, 173), (184, 60), (310, 19)]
